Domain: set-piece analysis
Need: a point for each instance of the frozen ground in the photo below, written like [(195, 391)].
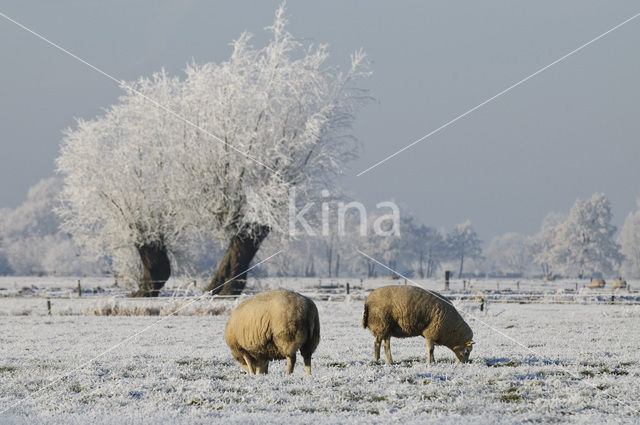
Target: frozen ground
[(584, 367)]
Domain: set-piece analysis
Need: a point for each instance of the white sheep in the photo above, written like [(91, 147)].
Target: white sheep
[(403, 311), (597, 283), (273, 325)]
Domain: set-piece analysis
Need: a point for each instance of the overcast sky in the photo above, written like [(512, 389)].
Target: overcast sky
[(568, 132)]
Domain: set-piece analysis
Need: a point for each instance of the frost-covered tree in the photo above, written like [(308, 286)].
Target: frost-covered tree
[(334, 227), (122, 194), (31, 241), (5, 268), (284, 119), (35, 216), (383, 239), (24, 229), (463, 243), (509, 254), (541, 244), (629, 240), (427, 248), (584, 244)]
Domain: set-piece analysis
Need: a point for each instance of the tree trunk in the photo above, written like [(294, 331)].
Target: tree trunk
[(461, 265), (157, 269), (337, 269), (431, 267), (231, 275), (309, 269), (371, 269)]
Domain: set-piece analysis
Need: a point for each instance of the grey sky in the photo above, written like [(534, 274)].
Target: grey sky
[(567, 133)]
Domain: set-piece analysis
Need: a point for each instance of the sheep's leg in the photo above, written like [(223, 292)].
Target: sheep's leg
[(307, 364), (250, 367), (376, 349), (430, 347), (291, 362), (387, 349)]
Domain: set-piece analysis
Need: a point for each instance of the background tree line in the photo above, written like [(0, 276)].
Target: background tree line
[(582, 242)]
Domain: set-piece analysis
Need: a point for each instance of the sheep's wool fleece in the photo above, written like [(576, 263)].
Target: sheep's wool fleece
[(404, 311), (273, 324)]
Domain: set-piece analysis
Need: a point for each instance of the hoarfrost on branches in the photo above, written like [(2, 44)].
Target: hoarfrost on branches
[(541, 244), (463, 243), (282, 120), (31, 242), (584, 244), (509, 254)]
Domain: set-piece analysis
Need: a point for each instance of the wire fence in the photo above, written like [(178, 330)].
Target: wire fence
[(101, 297)]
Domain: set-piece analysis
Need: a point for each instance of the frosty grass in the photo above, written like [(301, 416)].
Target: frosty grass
[(586, 368)]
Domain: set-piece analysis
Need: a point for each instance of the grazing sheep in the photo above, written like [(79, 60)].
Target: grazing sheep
[(597, 283), (618, 284), (549, 278), (273, 325), (403, 311)]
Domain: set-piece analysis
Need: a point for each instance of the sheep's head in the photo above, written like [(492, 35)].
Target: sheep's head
[(463, 351)]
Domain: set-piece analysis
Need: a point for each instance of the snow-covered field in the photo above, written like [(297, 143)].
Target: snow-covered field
[(573, 361)]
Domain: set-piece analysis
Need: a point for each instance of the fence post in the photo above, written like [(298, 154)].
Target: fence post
[(447, 273), (49, 306), (347, 288), (79, 289)]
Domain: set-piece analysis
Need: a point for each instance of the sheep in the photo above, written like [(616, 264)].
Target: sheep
[(619, 284), (403, 311), (273, 325), (597, 283)]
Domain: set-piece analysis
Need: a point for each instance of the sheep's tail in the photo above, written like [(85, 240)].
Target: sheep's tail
[(365, 317)]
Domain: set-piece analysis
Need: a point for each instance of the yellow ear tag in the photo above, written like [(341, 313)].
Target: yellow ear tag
[(469, 343)]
